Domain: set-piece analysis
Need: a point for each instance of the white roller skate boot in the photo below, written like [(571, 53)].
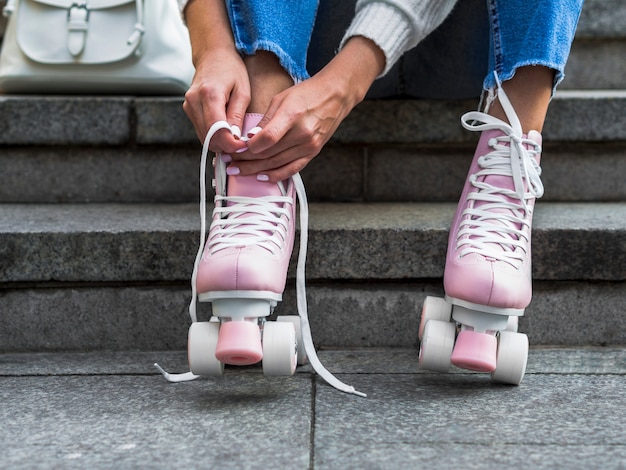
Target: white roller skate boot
[(242, 271), (487, 277)]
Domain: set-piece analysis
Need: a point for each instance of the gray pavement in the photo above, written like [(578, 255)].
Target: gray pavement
[(112, 410)]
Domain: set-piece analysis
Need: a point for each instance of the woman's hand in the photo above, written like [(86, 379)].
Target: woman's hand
[(297, 124), (301, 119), (220, 90)]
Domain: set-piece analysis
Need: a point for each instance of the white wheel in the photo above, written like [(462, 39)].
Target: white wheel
[(295, 320), (279, 348), (437, 345), (202, 341), (511, 359), (434, 308), (512, 324)]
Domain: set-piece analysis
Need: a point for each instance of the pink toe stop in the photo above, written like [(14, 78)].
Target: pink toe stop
[(475, 351), (239, 343)]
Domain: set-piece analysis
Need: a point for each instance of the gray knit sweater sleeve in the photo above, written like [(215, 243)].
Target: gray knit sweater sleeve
[(397, 25)]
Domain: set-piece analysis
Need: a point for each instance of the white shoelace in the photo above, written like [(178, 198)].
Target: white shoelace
[(498, 228), (265, 229)]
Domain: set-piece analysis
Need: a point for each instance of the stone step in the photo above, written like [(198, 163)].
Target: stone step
[(574, 116), (596, 59), (154, 316), (602, 19), (110, 243), (116, 276), (122, 149), (375, 173)]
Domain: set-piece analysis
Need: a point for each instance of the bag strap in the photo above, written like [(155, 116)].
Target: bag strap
[(78, 26), (137, 34), (9, 8)]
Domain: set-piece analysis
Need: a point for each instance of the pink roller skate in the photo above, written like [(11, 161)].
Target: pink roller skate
[(487, 277), (242, 271)]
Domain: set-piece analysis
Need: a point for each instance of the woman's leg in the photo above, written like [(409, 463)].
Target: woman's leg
[(530, 44), (273, 37), (529, 91), (488, 265), (242, 269), (282, 28), (275, 57), (267, 79)]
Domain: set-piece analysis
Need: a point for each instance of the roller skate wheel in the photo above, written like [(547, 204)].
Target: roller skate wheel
[(279, 349), (239, 343), (436, 345), (434, 308), (202, 341), (295, 320), (512, 358), (475, 351)]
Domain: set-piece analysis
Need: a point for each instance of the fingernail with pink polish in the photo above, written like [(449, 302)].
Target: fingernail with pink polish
[(226, 158), (261, 177), (241, 150), (255, 130), (232, 171)]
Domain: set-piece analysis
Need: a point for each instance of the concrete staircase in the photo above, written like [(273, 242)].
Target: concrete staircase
[(99, 215)]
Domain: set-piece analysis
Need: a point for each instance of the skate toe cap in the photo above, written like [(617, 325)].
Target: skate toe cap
[(248, 268), (489, 283)]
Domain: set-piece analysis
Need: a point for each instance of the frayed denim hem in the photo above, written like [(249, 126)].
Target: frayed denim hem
[(490, 80), (297, 72), (282, 28)]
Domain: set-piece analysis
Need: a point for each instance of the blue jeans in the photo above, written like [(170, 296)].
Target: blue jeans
[(283, 28), (457, 60)]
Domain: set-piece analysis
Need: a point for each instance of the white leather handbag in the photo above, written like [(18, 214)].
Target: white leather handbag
[(95, 47)]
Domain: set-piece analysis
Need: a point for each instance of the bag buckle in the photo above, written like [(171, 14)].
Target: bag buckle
[(77, 26), (78, 5)]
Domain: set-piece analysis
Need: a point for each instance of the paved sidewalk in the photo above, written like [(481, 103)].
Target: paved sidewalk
[(111, 410)]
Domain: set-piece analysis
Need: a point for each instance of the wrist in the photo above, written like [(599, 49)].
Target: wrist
[(356, 66), (209, 29)]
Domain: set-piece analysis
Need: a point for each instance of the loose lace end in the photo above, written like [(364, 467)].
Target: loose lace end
[(175, 378), (353, 391), (307, 337)]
